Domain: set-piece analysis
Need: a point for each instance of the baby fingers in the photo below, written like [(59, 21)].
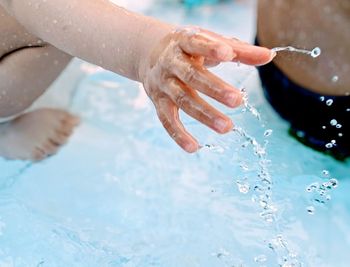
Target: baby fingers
[(244, 52), (250, 54), (169, 116), (188, 100), (200, 42), (196, 42), (199, 78)]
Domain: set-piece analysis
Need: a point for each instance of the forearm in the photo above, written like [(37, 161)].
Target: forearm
[(97, 31)]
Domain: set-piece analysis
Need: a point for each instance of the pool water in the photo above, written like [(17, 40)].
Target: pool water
[(121, 193)]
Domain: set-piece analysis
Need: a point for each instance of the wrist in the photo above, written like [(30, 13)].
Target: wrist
[(150, 40)]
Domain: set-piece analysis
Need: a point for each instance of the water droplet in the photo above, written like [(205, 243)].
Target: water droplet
[(327, 185), (322, 98), (329, 102), (334, 182), (215, 148), (312, 187), (300, 134), (311, 210), (268, 132), (335, 78), (340, 134), (325, 173), (263, 203), (243, 187), (316, 52), (324, 127), (329, 145), (313, 53), (268, 215), (260, 258), (258, 189), (338, 126), (333, 122), (244, 167)]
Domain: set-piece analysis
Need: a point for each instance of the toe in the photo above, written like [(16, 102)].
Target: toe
[(50, 148), (38, 154), (70, 120), (53, 141)]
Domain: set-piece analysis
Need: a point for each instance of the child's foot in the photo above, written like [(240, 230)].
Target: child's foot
[(36, 135)]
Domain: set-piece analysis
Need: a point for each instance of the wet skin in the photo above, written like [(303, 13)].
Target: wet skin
[(170, 63), (176, 71), (309, 24)]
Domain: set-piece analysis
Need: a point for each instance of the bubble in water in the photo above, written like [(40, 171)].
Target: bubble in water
[(245, 144), (311, 210), (333, 122), (268, 216), (263, 203), (215, 148), (325, 173), (260, 258), (244, 166), (262, 190), (268, 132), (319, 201), (316, 52), (327, 185), (243, 187), (329, 102), (312, 187), (258, 189), (334, 182)]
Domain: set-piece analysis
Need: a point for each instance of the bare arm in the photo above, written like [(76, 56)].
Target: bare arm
[(97, 31), (170, 64)]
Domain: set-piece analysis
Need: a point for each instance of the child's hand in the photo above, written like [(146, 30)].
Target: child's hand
[(176, 71)]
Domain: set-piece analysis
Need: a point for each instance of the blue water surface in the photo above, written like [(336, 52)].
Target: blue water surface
[(121, 193)]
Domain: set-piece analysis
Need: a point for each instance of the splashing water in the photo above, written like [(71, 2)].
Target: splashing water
[(262, 188), (248, 106), (314, 53), (262, 194), (321, 192)]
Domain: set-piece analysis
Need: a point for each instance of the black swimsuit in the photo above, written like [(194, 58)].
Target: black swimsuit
[(319, 121)]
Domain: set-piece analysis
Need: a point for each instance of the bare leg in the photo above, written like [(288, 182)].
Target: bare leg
[(27, 68), (36, 135)]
